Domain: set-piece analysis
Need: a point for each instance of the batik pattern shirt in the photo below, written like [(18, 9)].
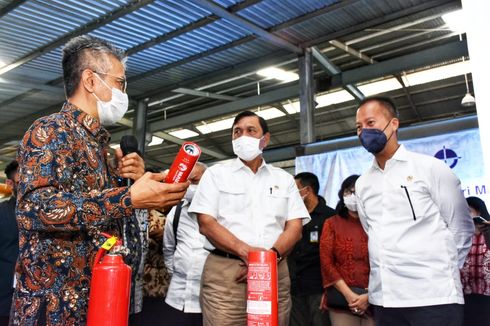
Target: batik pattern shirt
[(67, 195)]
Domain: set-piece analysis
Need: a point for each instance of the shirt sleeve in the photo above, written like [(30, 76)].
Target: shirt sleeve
[(362, 213), (46, 200), (330, 274), (296, 206), (447, 195), (169, 242), (206, 198)]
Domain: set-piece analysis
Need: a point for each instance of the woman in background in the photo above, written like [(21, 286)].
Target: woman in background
[(345, 261), (475, 274)]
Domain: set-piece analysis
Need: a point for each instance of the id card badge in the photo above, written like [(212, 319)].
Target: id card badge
[(314, 236)]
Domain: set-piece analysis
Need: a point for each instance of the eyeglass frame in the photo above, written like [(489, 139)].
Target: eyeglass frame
[(122, 81)]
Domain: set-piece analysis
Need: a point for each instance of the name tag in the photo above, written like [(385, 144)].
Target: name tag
[(314, 236)]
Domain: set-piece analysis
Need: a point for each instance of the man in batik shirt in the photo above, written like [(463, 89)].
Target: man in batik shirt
[(68, 191)]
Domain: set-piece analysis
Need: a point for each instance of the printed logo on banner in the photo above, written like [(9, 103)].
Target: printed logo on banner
[(448, 156)]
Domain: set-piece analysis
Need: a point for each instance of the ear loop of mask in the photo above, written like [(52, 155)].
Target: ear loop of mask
[(103, 82)]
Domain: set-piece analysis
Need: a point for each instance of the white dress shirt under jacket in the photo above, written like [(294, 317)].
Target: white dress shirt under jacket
[(252, 206), (184, 262), (414, 254)]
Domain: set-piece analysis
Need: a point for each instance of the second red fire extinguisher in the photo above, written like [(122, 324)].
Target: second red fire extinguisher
[(110, 287), (262, 289)]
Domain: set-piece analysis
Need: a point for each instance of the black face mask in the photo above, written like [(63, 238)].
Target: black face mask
[(373, 140)]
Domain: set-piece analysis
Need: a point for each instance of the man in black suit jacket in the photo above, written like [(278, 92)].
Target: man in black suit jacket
[(9, 244)]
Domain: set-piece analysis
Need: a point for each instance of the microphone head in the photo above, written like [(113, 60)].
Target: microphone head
[(129, 144)]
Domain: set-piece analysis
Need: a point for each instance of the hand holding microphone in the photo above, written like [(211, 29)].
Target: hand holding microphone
[(130, 163)]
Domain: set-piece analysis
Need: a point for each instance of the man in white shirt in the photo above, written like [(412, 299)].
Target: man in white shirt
[(184, 256), (241, 206), (418, 223)]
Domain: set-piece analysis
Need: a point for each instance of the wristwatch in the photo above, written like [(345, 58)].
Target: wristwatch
[(279, 257)]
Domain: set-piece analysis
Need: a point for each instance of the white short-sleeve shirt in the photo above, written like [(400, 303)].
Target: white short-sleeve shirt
[(419, 230), (253, 207)]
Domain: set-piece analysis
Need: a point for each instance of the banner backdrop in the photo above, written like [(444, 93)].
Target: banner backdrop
[(460, 150)]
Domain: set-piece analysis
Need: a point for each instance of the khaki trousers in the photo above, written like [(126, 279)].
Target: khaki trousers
[(224, 302)]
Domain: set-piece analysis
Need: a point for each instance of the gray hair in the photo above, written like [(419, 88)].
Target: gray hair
[(86, 52)]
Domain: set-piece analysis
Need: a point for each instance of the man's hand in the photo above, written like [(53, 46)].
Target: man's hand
[(130, 166), (150, 192)]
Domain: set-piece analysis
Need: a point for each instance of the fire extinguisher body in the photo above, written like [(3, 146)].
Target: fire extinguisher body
[(262, 289), (110, 289)]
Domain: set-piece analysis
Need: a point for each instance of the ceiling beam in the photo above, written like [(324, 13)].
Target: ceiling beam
[(442, 5), (332, 70), (94, 24), (244, 23), (11, 6), (422, 58), (189, 27), (197, 93)]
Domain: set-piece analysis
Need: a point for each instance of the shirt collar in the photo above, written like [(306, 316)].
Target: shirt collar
[(237, 164), (89, 122), (401, 154)]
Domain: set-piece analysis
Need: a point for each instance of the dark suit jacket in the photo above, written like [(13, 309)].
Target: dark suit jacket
[(9, 250)]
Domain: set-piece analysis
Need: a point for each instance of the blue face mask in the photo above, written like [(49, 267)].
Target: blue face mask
[(373, 140)]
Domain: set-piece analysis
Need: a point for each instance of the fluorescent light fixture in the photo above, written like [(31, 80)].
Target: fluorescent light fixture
[(455, 20), (438, 73), (271, 113), (207, 128), (380, 86), (183, 133), (279, 74), (155, 141), (333, 98), (292, 107), (114, 146)]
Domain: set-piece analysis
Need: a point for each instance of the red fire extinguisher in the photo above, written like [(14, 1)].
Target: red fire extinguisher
[(110, 287), (262, 288)]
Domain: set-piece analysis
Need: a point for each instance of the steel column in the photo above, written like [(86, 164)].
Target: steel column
[(306, 100)]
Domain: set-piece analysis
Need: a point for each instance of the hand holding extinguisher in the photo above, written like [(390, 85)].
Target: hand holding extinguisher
[(110, 286)]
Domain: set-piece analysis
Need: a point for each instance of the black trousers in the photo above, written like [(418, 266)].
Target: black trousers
[(439, 315)]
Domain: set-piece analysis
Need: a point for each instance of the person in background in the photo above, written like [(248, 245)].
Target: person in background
[(156, 278), (345, 259), (245, 205), (304, 260), (68, 192), (184, 255), (9, 243), (418, 225), (475, 274)]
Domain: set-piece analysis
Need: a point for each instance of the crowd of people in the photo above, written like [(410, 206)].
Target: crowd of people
[(400, 247)]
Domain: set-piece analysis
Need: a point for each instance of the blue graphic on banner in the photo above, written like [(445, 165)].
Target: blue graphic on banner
[(461, 151)]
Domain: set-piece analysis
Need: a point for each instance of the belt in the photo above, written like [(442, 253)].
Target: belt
[(222, 253)]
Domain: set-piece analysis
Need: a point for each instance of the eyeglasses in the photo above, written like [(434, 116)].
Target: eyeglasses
[(349, 191), (123, 83)]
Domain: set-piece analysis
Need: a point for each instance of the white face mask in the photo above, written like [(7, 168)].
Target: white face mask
[(189, 194), (112, 111), (351, 203), (247, 148)]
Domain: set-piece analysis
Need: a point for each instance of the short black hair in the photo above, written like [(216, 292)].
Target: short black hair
[(241, 115), (11, 169), (348, 183), (86, 52), (385, 101), (478, 205), (308, 179)]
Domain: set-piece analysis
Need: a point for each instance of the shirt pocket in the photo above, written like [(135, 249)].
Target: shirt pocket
[(277, 204), (232, 201), (414, 196)]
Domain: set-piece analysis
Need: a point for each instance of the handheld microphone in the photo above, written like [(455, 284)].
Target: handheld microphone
[(129, 144)]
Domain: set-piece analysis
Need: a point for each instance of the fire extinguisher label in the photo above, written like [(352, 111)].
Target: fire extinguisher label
[(259, 289), (109, 243)]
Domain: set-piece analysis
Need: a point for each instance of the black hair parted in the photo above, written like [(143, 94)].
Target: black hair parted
[(262, 122), (348, 183), (308, 179), (385, 101), (83, 52)]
